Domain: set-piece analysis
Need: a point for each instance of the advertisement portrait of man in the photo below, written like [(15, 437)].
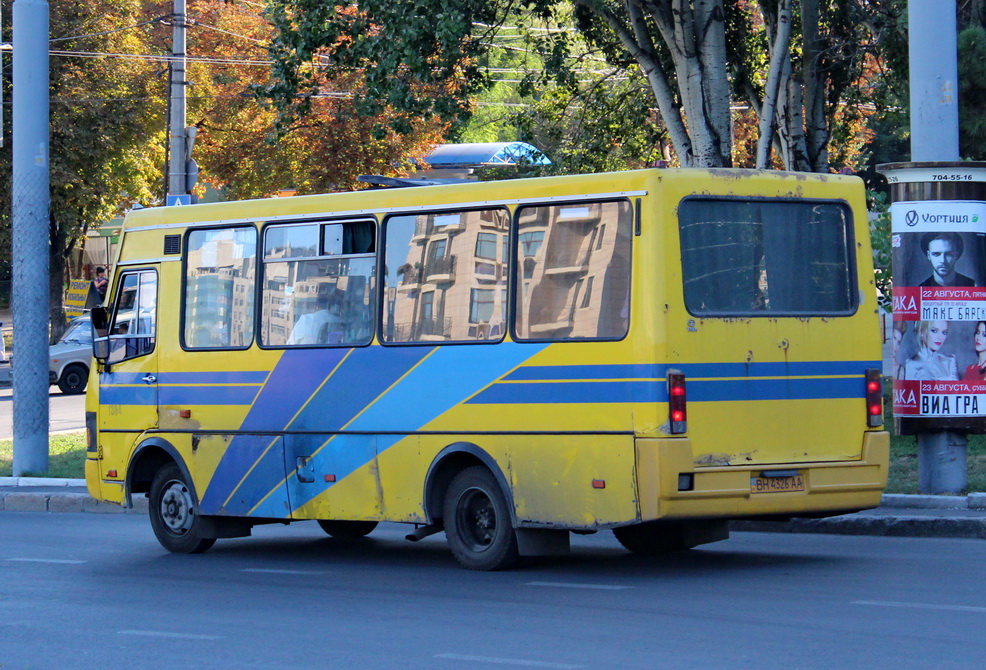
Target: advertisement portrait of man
[(943, 250)]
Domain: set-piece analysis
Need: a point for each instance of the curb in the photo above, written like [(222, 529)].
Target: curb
[(886, 526), (70, 501), (41, 481)]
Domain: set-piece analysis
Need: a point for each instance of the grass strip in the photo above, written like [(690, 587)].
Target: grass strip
[(66, 456)]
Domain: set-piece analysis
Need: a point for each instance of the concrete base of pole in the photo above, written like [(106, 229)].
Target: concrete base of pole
[(942, 463)]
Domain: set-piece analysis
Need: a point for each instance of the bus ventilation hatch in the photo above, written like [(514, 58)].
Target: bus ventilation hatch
[(172, 244)]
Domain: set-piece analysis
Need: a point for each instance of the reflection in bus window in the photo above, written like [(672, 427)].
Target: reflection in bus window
[(573, 278), (134, 325), (219, 288), (446, 277), (325, 296)]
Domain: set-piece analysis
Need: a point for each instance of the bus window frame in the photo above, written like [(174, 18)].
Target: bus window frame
[(110, 337), (851, 257), (318, 221), (184, 281), (515, 251), (381, 266)]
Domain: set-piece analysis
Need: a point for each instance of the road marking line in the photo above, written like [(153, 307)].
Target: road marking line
[(285, 572), (45, 560), (509, 661), (161, 633), (920, 606), (571, 585)]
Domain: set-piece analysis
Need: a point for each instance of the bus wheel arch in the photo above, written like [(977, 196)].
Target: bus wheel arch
[(449, 462), (148, 458)]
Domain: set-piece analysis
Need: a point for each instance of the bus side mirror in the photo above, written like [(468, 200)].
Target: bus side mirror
[(100, 334)]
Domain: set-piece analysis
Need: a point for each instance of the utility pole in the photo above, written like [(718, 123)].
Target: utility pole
[(30, 205), (177, 182), (182, 169), (4, 48), (934, 76)]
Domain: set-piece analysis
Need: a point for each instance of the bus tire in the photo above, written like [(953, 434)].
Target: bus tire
[(347, 530), (654, 538), (172, 509), (477, 522), (74, 380)]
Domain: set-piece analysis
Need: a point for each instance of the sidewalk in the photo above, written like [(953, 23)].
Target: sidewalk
[(898, 515)]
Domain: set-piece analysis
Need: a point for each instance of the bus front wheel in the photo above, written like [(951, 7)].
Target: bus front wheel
[(176, 524), (477, 522), (347, 530)]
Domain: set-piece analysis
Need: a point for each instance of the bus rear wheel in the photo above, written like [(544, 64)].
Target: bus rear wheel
[(477, 522), (654, 538), (348, 530), (176, 524)]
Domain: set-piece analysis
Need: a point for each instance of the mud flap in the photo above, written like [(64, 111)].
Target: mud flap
[(542, 542)]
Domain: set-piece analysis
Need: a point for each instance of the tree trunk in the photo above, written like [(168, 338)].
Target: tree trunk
[(695, 33), (56, 281), (779, 62), (816, 125)]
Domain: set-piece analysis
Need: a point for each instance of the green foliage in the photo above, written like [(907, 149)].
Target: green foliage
[(105, 141), (972, 92), (417, 56), (880, 239)]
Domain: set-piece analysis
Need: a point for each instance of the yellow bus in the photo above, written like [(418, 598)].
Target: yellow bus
[(653, 352)]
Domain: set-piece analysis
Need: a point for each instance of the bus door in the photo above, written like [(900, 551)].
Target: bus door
[(777, 337), (128, 386)]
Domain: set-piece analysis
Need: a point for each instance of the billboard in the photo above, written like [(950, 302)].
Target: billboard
[(939, 336)]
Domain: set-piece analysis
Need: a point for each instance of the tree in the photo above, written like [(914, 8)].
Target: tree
[(325, 151), (689, 52), (105, 139)]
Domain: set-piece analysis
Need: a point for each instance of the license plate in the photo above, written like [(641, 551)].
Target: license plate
[(777, 484)]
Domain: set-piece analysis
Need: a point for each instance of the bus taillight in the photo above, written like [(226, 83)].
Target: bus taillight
[(677, 411), (874, 398)]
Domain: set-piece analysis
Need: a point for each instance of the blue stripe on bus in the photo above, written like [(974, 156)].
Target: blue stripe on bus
[(219, 377), (141, 394), (297, 375), (691, 370), (207, 395), (225, 377), (551, 393), (151, 395), (363, 376), (449, 375), (243, 453)]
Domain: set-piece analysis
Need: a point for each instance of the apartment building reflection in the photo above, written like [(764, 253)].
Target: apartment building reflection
[(219, 291), (572, 276)]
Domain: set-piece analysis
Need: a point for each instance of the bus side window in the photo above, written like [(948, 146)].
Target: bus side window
[(446, 276), (573, 274), (220, 272), (319, 284)]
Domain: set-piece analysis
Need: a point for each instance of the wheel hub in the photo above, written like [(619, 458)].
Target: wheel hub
[(176, 507), (477, 518)]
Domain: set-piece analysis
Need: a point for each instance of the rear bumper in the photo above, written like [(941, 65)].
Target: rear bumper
[(724, 491)]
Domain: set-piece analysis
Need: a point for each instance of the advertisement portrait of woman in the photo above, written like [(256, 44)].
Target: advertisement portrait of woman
[(977, 371), (927, 363)]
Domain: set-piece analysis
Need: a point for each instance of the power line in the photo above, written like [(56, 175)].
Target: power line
[(110, 32)]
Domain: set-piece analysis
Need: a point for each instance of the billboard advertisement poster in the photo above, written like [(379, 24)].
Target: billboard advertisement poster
[(939, 336)]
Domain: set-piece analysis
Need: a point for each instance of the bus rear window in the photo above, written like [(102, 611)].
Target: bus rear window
[(766, 257)]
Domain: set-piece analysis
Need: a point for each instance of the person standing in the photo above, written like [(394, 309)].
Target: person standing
[(3, 345), (100, 283)]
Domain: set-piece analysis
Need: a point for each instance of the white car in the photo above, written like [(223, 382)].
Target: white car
[(70, 358)]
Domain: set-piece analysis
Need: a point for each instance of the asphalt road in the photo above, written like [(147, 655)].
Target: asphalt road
[(65, 412), (96, 591)]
